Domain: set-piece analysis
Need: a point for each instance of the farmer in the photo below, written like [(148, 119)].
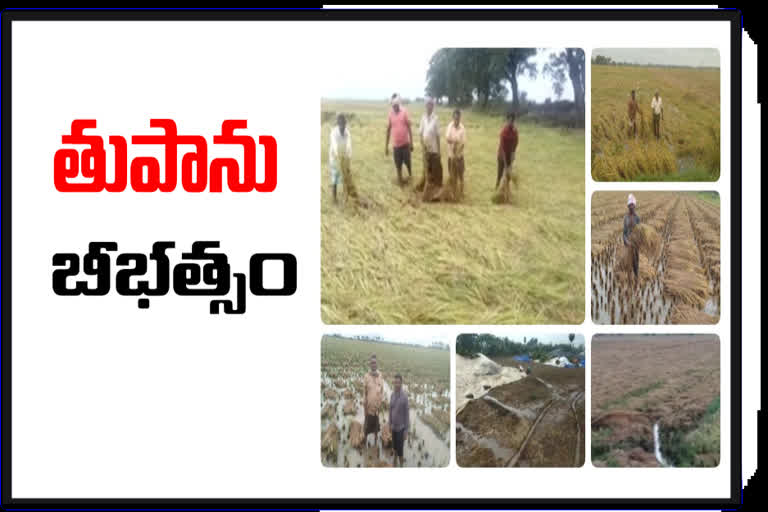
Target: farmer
[(631, 219), (373, 389), (455, 136), (658, 114), (399, 419), (429, 132), (339, 155), (399, 126), (632, 110), (508, 139)]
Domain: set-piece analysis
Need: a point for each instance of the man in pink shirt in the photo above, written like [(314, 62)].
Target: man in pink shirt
[(399, 126)]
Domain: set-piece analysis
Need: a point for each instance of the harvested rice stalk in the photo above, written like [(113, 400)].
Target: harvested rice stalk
[(685, 314), (386, 435), (356, 434), (327, 411), (350, 407), (690, 287), (350, 191), (503, 193), (330, 442), (646, 239)]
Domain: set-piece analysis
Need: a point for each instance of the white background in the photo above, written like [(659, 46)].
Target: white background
[(112, 401)]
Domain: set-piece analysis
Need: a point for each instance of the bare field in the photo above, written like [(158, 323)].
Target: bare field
[(655, 400)]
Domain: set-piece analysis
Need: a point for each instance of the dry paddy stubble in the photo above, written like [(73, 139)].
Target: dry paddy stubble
[(399, 261)]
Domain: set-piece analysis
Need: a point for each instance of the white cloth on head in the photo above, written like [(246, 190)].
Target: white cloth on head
[(631, 200), (395, 100)]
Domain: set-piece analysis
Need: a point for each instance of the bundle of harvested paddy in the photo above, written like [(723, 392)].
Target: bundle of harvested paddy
[(327, 411), (503, 193), (685, 314), (356, 435), (386, 435), (330, 441), (330, 394), (452, 190), (350, 191), (688, 286), (350, 407), (646, 239)]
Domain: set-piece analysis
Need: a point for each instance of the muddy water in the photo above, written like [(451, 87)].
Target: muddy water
[(423, 448), (499, 452), (610, 303)]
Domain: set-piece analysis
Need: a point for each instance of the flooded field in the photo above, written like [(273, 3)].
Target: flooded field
[(532, 420), (426, 380), (655, 400), (678, 279)]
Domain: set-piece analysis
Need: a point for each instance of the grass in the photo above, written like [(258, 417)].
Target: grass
[(417, 364), (689, 149), (699, 447), (403, 262)]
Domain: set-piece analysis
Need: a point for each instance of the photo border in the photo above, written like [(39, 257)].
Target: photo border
[(732, 16)]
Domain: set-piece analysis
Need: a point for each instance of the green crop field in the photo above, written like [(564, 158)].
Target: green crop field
[(399, 261), (689, 148)]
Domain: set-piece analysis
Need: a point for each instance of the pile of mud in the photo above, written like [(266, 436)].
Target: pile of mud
[(475, 376)]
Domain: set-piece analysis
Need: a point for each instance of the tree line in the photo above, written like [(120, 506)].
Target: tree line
[(602, 60), (490, 345), (467, 76)]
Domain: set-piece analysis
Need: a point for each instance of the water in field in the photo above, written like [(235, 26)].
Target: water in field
[(424, 448)]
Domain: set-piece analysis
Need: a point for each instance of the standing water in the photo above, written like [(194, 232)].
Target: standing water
[(657, 447)]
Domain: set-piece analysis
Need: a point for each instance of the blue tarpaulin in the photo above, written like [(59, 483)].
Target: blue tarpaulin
[(526, 358)]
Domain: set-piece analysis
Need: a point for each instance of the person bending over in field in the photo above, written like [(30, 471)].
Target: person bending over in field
[(508, 139), (373, 394), (455, 137), (399, 419), (429, 131), (631, 219), (339, 155), (632, 110), (658, 114), (399, 126)]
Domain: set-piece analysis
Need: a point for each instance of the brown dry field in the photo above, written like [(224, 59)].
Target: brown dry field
[(638, 381)]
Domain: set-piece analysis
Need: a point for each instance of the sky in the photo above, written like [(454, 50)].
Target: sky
[(373, 75), (697, 57)]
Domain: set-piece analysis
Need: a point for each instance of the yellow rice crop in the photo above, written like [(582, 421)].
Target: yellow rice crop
[(690, 130), (401, 261)]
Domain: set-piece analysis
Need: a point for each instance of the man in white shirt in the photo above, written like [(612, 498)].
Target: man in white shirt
[(339, 155), (658, 114), (429, 130)]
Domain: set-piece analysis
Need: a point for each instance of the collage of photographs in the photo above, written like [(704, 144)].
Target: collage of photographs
[(456, 189)]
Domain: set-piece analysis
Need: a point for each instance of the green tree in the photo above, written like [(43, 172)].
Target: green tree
[(568, 65)]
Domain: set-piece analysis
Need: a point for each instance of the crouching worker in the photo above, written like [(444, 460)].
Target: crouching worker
[(399, 419), (339, 156), (508, 139)]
